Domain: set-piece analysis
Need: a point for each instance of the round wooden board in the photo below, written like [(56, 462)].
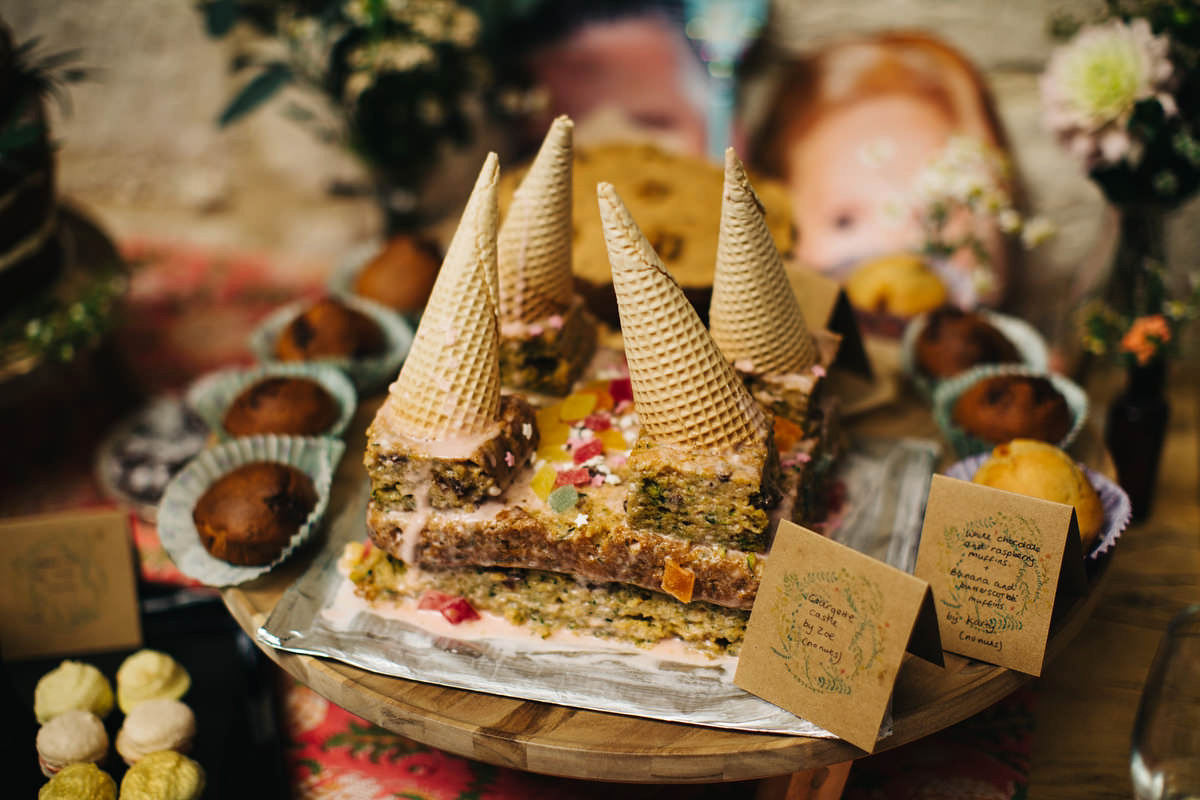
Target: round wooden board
[(556, 740)]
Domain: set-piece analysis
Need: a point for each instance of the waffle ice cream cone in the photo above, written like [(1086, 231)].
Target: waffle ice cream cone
[(754, 316), (535, 240), (685, 390), (480, 238), (450, 383)]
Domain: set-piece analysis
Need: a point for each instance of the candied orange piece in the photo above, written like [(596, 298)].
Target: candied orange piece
[(678, 581), (787, 434), (576, 406), (542, 483)]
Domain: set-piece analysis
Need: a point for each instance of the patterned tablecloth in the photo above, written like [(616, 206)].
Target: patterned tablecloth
[(189, 311)]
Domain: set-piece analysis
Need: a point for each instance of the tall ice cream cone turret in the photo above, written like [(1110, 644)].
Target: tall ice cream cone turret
[(685, 390), (535, 239), (445, 437), (450, 383), (754, 316), (704, 465), (546, 335)]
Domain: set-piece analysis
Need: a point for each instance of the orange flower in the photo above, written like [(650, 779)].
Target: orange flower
[(1145, 336)]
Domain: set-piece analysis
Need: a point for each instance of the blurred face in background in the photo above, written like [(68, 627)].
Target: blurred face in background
[(633, 77), (847, 175)]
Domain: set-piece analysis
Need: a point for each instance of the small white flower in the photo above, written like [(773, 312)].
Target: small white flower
[(581, 520), (1037, 230)]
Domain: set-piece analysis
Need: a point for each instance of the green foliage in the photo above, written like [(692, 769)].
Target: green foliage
[(257, 91), (400, 77)]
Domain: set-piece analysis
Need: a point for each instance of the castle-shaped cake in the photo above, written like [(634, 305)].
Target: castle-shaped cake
[(640, 506)]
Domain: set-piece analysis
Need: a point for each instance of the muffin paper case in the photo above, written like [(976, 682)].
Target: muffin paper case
[(685, 391), (534, 244), (450, 383), (315, 456), (965, 444), (211, 395), (368, 374), (1117, 508), (754, 316), (1029, 343)]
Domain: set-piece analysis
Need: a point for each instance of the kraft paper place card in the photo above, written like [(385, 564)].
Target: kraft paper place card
[(828, 631), (67, 585), (824, 304), (996, 561)]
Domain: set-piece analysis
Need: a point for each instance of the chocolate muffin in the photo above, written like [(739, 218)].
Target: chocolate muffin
[(249, 515), (401, 275), (953, 341), (1005, 407), (283, 405), (329, 329)]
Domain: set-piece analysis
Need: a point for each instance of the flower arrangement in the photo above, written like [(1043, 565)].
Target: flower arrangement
[(960, 201), (403, 78), (1133, 340), (1123, 97)]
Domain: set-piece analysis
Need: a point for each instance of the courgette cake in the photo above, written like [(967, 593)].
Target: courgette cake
[(639, 507)]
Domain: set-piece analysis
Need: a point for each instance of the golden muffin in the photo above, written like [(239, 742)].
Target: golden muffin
[(902, 285), (1041, 470), (249, 515)]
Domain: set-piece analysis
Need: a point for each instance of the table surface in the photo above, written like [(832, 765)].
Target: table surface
[(563, 741), (1087, 697)]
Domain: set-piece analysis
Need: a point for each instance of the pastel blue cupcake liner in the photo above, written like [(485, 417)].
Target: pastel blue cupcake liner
[(345, 272), (966, 444), (211, 395), (1029, 343), (315, 456), (369, 373), (1113, 499)]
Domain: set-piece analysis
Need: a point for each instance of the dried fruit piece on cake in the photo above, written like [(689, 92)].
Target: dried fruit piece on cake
[(546, 335)]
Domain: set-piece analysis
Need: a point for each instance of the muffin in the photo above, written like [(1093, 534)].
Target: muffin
[(250, 514), (329, 329), (165, 775), (80, 782), (901, 285), (150, 675), (401, 275), (1000, 408), (1037, 469), (952, 341), (282, 405), (154, 725), (72, 737), (72, 685)]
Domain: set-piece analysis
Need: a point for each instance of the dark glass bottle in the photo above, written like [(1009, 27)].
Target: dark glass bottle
[(1135, 432)]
